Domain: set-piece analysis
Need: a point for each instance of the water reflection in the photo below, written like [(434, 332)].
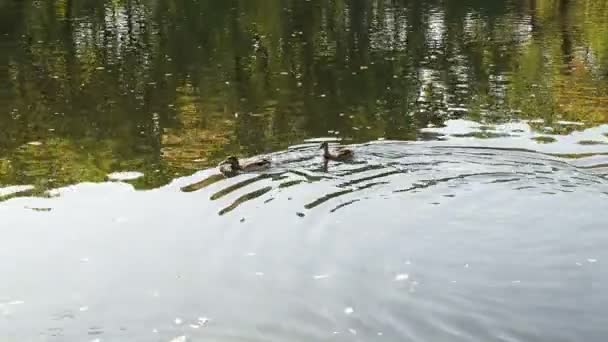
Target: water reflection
[(168, 88)]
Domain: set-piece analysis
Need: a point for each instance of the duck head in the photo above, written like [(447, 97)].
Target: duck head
[(233, 162)]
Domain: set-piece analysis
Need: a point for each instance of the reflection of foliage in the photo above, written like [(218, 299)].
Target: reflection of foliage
[(57, 162), (592, 142), (5, 166), (556, 75), (168, 87), (544, 139)]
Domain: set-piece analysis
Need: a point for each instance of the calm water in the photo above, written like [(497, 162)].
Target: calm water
[(475, 209)]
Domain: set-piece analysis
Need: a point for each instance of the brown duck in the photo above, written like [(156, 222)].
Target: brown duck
[(339, 155), (232, 165)]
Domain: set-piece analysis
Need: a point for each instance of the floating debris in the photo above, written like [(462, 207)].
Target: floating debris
[(591, 260), (34, 143), (402, 277), (39, 209), (349, 310), (83, 309), (259, 274), (120, 219), (202, 321), (178, 321), (180, 339), (320, 276)]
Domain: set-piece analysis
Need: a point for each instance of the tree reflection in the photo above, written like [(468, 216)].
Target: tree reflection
[(168, 87)]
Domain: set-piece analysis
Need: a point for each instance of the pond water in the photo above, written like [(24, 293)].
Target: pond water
[(473, 210)]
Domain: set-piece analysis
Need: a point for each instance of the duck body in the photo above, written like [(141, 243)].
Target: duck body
[(339, 155), (233, 166), (255, 165)]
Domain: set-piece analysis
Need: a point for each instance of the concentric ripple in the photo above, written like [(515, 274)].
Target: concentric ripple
[(391, 168)]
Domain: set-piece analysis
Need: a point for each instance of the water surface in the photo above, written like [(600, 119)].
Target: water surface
[(409, 242), (474, 209)]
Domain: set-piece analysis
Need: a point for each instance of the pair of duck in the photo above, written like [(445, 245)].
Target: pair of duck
[(232, 165)]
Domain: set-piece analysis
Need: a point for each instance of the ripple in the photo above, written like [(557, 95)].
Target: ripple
[(95, 330), (237, 186), (7, 191), (244, 198), (358, 247), (343, 205), (397, 168)]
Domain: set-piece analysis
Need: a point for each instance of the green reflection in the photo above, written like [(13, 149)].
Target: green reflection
[(544, 139), (168, 87)]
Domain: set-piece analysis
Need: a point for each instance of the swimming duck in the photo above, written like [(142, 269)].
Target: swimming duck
[(340, 155), (232, 165)]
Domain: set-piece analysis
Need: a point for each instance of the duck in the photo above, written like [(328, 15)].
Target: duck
[(340, 155), (232, 165)]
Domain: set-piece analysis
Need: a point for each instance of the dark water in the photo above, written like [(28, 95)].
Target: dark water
[(168, 87), (474, 209)]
